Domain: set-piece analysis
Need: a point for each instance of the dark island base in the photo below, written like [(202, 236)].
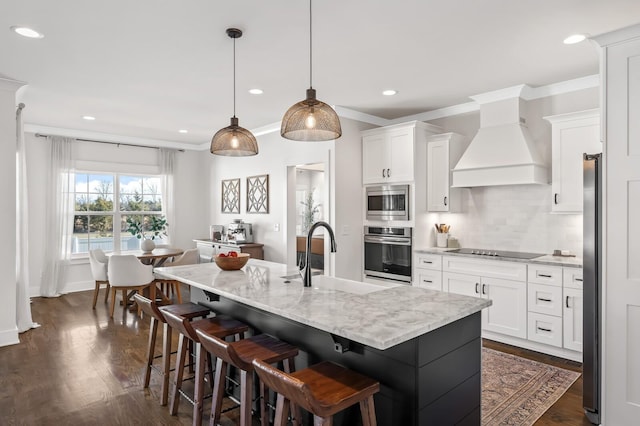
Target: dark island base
[(433, 379)]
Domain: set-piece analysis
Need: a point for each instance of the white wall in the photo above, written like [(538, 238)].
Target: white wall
[(275, 156), (516, 217), (8, 327), (191, 206)]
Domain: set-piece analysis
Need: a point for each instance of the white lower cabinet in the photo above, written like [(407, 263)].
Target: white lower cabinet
[(508, 312), (545, 329), (427, 271), (572, 310), (534, 306)]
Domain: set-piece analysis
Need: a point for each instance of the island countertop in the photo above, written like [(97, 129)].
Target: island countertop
[(378, 315)]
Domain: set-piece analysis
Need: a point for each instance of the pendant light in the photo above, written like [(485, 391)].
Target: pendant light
[(234, 140), (310, 119)]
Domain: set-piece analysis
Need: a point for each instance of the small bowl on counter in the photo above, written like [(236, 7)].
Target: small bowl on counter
[(231, 263)]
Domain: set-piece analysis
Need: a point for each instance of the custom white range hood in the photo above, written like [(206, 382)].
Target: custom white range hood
[(502, 152)]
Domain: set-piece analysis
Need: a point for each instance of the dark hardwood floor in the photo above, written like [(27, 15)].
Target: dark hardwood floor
[(80, 367)]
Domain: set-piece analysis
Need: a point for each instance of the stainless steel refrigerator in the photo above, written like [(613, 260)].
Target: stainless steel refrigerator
[(592, 287)]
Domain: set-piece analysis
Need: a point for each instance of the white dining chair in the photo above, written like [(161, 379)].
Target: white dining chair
[(126, 272), (99, 263), (189, 257)]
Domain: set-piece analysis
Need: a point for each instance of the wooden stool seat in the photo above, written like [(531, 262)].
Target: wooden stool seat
[(187, 310), (149, 307), (220, 327), (241, 354), (322, 389)]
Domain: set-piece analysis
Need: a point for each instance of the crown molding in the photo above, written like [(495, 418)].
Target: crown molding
[(618, 36), (439, 113), (9, 84), (361, 116)]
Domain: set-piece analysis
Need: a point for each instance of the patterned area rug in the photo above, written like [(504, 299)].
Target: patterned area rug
[(517, 391)]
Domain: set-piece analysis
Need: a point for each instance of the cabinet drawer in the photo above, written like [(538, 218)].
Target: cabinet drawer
[(427, 278), (485, 268), (545, 329), (545, 299), (542, 274), (572, 278), (428, 261)]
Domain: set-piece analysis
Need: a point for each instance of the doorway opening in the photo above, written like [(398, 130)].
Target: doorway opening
[(310, 207)]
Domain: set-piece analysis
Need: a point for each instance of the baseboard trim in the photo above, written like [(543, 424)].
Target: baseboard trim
[(72, 287), (9, 337), (533, 346)]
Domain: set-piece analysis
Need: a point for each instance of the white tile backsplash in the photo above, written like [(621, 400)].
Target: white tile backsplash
[(515, 217)]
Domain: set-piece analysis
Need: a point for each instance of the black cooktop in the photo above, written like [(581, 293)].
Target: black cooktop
[(496, 253)]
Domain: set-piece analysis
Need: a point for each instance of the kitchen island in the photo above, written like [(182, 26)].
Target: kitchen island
[(422, 345)]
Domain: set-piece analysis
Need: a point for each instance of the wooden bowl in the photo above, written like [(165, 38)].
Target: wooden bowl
[(228, 263)]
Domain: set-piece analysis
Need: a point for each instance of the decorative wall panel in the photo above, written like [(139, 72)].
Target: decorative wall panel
[(231, 196), (258, 194)]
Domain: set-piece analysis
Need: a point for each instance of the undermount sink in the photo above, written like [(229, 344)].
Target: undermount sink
[(324, 283), (297, 275)]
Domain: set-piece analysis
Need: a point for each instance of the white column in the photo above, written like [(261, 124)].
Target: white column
[(8, 328)]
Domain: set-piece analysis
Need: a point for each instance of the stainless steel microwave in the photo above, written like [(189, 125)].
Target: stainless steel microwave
[(388, 202)]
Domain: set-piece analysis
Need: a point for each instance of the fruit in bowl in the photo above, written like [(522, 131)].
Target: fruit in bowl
[(231, 261)]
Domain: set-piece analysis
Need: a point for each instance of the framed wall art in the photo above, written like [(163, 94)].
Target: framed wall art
[(258, 194), (231, 196)]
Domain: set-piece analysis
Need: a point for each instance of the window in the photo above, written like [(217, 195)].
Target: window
[(102, 204)]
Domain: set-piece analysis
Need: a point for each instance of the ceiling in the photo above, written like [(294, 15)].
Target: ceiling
[(147, 68)]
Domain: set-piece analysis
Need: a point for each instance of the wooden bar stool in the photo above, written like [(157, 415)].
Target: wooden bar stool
[(241, 355), (149, 307), (322, 389), (220, 327)]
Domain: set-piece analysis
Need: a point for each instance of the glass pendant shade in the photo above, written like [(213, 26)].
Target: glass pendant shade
[(234, 141), (311, 120)]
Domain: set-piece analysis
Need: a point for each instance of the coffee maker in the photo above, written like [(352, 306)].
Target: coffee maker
[(239, 232)]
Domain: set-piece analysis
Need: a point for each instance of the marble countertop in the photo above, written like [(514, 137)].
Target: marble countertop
[(547, 259), (377, 315)]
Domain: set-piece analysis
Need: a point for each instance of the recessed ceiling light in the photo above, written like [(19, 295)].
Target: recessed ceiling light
[(26, 32), (256, 91), (88, 118), (575, 38), (183, 131), (389, 92)]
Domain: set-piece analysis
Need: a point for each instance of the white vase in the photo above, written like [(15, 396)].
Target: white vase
[(147, 245)]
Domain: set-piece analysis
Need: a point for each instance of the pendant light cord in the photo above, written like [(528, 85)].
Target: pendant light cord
[(234, 77), (310, 47)]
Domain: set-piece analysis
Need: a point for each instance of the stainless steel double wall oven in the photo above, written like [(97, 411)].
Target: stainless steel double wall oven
[(387, 253)]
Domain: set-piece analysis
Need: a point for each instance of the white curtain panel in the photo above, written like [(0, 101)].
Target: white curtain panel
[(167, 164), (23, 301), (58, 216)]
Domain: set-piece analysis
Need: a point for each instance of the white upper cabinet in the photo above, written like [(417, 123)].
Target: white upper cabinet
[(572, 135), (389, 153), (443, 152)]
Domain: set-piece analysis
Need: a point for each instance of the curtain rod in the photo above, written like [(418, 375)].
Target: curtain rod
[(42, 135)]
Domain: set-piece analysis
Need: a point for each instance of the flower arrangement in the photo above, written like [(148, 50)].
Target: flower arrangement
[(154, 225)]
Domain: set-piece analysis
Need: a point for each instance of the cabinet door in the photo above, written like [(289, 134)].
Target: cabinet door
[(206, 251), (400, 150), (573, 135), (438, 176), (572, 316), (508, 313), (375, 161), (428, 278), (468, 285)]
